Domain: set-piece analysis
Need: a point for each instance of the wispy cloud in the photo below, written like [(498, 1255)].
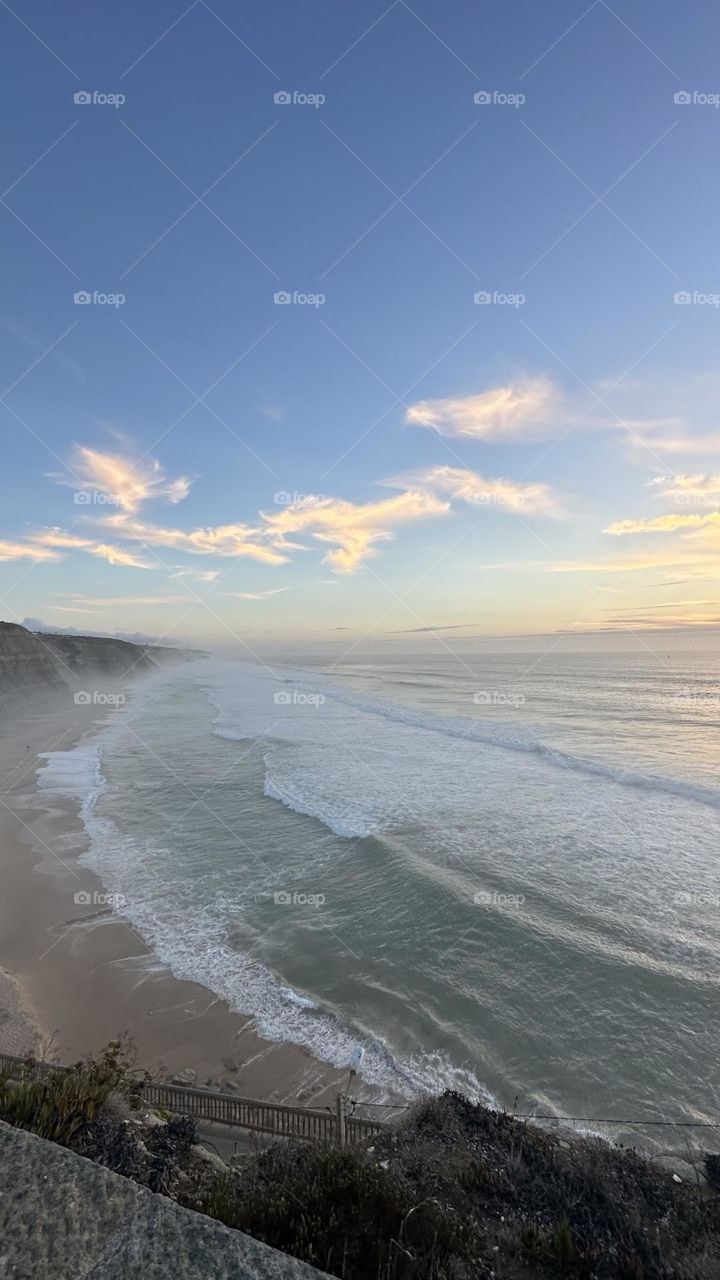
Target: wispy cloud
[(665, 524), (353, 529), (222, 540), (255, 595), (54, 540), (525, 410), (669, 436), (25, 551), (129, 483), (696, 490), (467, 486)]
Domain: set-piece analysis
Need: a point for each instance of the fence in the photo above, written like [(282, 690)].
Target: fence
[(277, 1118)]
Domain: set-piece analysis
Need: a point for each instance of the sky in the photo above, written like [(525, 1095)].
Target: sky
[(360, 322)]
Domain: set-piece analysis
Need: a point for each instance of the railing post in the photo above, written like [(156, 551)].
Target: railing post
[(341, 1128)]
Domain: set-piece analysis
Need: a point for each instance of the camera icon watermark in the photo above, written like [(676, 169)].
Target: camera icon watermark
[(686, 98), (695, 697), (83, 298), (86, 898), (285, 899), (507, 901), (95, 698), (283, 498), (496, 698), (296, 698), (294, 98), (495, 98), (94, 98), (693, 898), (684, 298), (282, 298), (496, 299), (93, 498)]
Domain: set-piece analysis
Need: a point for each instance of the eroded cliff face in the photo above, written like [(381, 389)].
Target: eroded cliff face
[(36, 666)]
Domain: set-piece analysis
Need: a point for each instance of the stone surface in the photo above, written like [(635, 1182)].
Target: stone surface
[(64, 1218)]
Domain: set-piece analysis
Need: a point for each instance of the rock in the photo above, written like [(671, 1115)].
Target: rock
[(62, 1217), (187, 1077), (210, 1157)]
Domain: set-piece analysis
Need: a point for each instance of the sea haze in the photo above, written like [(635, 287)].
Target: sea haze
[(497, 874)]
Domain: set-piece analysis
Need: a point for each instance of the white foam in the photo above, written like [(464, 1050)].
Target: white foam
[(193, 944), (361, 765)]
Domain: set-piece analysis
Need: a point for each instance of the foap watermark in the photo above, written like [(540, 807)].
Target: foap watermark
[(498, 698), (283, 298), (697, 898), (94, 498), (283, 498), (84, 298), (493, 499), (694, 98), (95, 98), (296, 98), (283, 898), (88, 898), (696, 299), (696, 697), (509, 901), (95, 698), (296, 698), (496, 98), (497, 299)]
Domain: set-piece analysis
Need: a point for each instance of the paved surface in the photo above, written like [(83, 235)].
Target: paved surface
[(64, 1218)]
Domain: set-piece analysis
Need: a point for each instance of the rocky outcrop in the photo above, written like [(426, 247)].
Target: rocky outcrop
[(62, 1218), (35, 666)]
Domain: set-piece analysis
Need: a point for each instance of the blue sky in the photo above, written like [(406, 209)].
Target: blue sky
[(382, 453)]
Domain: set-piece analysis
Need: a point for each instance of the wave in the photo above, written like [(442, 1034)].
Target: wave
[(508, 738), (191, 939)]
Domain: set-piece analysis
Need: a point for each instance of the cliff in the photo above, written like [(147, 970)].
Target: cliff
[(36, 666)]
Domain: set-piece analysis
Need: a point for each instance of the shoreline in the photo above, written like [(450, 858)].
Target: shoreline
[(74, 975)]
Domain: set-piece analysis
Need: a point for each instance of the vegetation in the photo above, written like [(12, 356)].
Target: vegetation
[(88, 1108), (60, 1104), (459, 1191), (455, 1191)]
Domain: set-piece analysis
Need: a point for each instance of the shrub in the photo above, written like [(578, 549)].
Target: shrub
[(344, 1213), (59, 1103)]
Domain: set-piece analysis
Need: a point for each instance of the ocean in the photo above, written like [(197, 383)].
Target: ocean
[(496, 874)]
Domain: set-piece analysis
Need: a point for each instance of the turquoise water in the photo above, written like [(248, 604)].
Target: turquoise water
[(494, 876)]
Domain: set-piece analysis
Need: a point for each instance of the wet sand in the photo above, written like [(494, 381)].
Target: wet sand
[(74, 976)]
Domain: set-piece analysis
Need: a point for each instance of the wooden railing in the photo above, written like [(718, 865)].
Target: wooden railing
[(277, 1118)]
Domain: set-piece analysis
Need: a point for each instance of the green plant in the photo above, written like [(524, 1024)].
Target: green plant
[(58, 1103)]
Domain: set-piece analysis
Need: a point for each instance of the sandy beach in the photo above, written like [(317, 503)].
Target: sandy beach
[(74, 976)]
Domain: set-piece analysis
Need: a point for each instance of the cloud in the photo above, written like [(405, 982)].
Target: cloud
[(468, 486), (526, 410), (24, 551), (633, 564), (46, 628), (689, 490), (196, 575), (59, 538), (223, 540), (665, 524), (128, 483), (111, 602), (116, 555), (255, 595), (668, 436), (353, 530), (52, 540)]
